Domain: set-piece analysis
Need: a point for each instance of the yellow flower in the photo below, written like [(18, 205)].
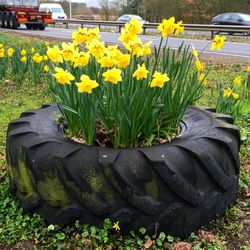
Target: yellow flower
[(1, 45), (195, 53), (179, 28), (46, 68), (123, 60), (127, 37), (159, 80), (10, 52), (54, 54), (68, 51), (86, 85), (2, 53), (45, 58), (23, 59), (80, 36), (167, 27), (134, 26), (199, 65), (23, 52), (227, 92), (106, 62), (112, 75), (93, 34), (82, 59), (96, 48), (116, 226), (141, 72), (32, 50), (237, 80), (146, 50), (248, 69), (235, 96), (218, 42), (46, 44), (37, 58), (63, 77), (202, 79)]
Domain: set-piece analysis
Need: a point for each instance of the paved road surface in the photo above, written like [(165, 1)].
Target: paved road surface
[(234, 49)]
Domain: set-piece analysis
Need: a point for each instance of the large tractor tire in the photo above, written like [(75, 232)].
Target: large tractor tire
[(175, 187)]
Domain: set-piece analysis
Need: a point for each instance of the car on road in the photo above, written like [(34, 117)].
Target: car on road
[(54, 8), (232, 19), (127, 18)]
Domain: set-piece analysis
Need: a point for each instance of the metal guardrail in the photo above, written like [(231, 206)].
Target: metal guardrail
[(192, 27)]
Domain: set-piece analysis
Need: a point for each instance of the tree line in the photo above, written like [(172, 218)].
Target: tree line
[(190, 11)]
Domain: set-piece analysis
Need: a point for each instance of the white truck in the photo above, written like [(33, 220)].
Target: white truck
[(13, 13)]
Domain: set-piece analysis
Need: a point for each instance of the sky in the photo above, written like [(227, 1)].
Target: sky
[(90, 3)]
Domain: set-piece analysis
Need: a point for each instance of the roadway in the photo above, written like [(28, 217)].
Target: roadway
[(231, 49)]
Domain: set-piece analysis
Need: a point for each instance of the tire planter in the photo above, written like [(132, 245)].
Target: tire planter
[(175, 187)]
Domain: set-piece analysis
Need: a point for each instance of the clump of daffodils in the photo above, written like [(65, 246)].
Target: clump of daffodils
[(133, 97)]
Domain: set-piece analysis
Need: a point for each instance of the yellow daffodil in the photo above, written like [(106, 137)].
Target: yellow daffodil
[(2, 53), (235, 96), (158, 80), (54, 54), (81, 60), (46, 68), (37, 58), (32, 50), (68, 51), (248, 69), (167, 27), (45, 58), (237, 80), (203, 79), (116, 226), (112, 75), (63, 76), (134, 26), (106, 62), (10, 52), (23, 59), (123, 60), (227, 92), (80, 36), (218, 42), (127, 37), (1, 45), (146, 49), (141, 72), (86, 85), (23, 52), (96, 49), (179, 28), (199, 65), (93, 34)]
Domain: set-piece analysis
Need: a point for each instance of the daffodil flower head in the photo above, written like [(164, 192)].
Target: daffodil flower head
[(96, 48), (218, 42), (116, 226), (23, 59), (123, 60), (141, 72), (134, 26), (46, 68), (63, 76), (81, 60), (227, 92), (80, 36), (237, 80), (248, 69), (203, 79), (199, 65), (167, 27), (10, 52), (86, 85), (23, 52), (146, 49), (127, 37), (106, 62), (54, 54), (235, 96), (159, 80), (68, 51), (112, 75)]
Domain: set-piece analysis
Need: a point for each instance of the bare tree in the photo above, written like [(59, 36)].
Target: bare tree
[(105, 8)]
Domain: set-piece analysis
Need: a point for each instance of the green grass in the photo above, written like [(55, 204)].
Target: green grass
[(19, 230)]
